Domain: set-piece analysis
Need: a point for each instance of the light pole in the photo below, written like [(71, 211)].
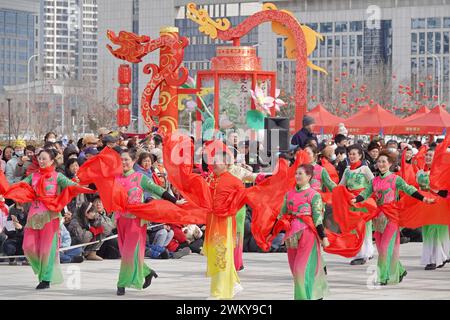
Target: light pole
[(62, 108), (439, 77), (9, 120), (28, 91)]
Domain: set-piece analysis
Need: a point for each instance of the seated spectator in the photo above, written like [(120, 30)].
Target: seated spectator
[(85, 228), (159, 237), (70, 171), (109, 248), (179, 246), (74, 255), (13, 244), (186, 239), (194, 237)]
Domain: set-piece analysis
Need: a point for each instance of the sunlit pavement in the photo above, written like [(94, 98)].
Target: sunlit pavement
[(266, 276)]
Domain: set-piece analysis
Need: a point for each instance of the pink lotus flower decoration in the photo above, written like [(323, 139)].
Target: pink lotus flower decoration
[(265, 103), (191, 105)]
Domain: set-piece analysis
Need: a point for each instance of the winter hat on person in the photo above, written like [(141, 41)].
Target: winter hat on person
[(90, 140), (92, 151), (373, 145), (19, 143), (308, 120), (103, 131), (342, 130), (109, 138)]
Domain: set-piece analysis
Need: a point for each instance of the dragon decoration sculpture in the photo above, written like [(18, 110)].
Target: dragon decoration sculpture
[(300, 42), (167, 76)]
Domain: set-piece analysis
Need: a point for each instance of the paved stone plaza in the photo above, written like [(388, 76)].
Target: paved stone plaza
[(266, 276)]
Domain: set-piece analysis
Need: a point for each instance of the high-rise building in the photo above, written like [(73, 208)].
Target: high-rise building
[(68, 43), (408, 40), (18, 41)]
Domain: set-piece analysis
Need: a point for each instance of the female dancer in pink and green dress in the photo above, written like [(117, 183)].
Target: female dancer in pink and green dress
[(386, 188), (41, 235), (132, 231), (303, 208)]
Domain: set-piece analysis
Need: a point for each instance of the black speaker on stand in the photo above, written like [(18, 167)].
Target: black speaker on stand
[(276, 136)]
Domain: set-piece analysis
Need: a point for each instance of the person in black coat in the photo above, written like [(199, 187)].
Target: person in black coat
[(305, 134), (13, 244), (373, 150)]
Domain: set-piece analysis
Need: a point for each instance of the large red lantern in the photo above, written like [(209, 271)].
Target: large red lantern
[(123, 117), (123, 96), (124, 74)]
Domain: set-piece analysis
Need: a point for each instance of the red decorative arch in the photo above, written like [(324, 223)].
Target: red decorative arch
[(234, 34)]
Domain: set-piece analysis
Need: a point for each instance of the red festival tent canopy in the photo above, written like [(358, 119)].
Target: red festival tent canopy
[(422, 110), (433, 122), (373, 120), (326, 122)]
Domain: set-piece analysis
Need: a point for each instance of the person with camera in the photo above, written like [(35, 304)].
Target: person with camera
[(85, 228)]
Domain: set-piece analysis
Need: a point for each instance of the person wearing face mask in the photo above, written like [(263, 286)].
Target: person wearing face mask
[(19, 147), (50, 137), (392, 146)]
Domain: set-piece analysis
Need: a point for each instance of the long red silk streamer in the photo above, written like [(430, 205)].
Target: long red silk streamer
[(440, 168), (418, 161), (331, 170), (265, 199), (22, 192), (408, 173), (103, 170)]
